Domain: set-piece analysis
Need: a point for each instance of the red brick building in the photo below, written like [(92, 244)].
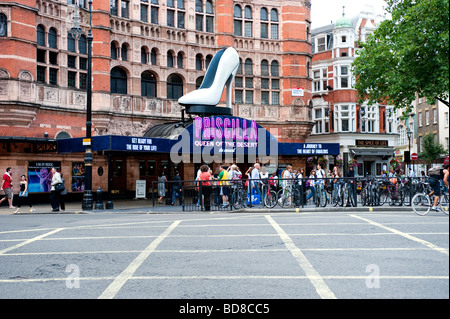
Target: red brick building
[(367, 134), (145, 54)]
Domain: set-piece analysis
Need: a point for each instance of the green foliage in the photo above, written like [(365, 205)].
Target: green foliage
[(431, 150), (405, 55)]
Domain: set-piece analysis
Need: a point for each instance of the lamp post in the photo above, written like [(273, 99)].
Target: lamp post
[(409, 135), (76, 32)]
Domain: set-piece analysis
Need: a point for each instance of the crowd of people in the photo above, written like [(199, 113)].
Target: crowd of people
[(258, 180)]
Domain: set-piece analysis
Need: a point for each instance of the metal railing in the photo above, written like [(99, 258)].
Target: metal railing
[(228, 195)]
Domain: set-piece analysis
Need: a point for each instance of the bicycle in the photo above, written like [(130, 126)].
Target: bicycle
[(422, 202), (321, 195), (337, 196), (270, 200), (287, 195), (239, 197)]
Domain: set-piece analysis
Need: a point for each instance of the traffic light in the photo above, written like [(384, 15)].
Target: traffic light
[(406, 157)]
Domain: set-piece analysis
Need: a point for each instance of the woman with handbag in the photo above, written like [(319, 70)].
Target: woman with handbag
[(56, 189), (23, 195)]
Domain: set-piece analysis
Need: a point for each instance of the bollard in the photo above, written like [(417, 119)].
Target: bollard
[(99, 204)]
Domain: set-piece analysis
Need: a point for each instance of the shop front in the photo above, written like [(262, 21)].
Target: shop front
[(184, 146)]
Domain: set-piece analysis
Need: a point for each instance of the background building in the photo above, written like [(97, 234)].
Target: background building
[(145, 55), (367, 134)]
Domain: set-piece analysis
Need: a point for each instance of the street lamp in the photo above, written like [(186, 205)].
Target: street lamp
[(76, 33), (409, 135)]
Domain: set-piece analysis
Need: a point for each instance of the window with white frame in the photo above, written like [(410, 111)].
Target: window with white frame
[(427, 117), (344, 118), (321, 119), (320, 77), (402, 137), (420, 120), (390, 120), (369, 119), (343, 77), (435, 119)]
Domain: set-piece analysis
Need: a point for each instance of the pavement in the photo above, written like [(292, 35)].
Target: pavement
[(145, 206)]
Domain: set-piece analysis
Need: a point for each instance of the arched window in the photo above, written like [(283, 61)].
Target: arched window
[(70, 43), (248, 23), (180, 60), (153, 55), (52, 38), (118, 81), (124, 52), (199, 62), (274, 15), (148, 84), (62, 135), (198, 6), (174, 87), (169, 59), (274, 24), (274, 69), (3, 25), (82, 45), (208, 60), (199, 81), (113, 51), (237, 13), (264, 15), (248, 67), (144, 59), (40, 36), (264, 67)]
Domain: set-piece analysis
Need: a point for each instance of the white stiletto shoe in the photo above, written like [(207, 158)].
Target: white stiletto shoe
[(221, 72)]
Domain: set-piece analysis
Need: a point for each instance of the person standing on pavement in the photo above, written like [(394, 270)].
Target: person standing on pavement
[(54, 195), (7, 187), (23, 195), (162, 179), (176, 188), (224, 189), (205, 179)]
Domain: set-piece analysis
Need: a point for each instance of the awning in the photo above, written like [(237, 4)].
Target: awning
[(373, 151)]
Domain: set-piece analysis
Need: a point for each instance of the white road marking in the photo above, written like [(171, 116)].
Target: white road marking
[(120, 280), (395, 231), (29, 241), (314, 277)]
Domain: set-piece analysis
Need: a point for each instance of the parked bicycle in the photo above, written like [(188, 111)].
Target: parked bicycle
[(342, 194), (288, 196), (238, 195), (321, 195)]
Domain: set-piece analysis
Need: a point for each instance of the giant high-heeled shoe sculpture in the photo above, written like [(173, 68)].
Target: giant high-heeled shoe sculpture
[(221, 72)]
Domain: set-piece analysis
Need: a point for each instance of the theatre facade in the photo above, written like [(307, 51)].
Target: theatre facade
[(146, 55)]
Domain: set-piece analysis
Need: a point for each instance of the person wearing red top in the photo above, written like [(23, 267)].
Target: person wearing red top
[(205, 177), (7, 187)]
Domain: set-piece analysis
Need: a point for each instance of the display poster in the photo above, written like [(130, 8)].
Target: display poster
[(78, 177), (40, 176)]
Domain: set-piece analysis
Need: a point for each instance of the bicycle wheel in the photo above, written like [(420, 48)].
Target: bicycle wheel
[(384, 195), (364, 197), (237, 199), (335, 197), (271, 199), (323, 197), (284, 198), (443, 203), (421, 204)]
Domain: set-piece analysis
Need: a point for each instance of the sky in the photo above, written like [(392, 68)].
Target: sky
[(325, 11)]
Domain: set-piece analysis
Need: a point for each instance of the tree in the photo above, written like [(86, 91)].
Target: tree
[(405, 55), (432, 150)]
